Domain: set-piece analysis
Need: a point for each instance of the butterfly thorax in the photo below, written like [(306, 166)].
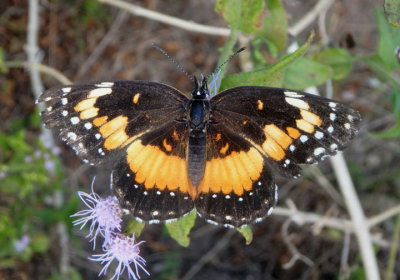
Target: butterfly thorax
[(198, 116)]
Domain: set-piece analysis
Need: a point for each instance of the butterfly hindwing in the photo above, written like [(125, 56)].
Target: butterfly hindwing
[(99, 120), (237, 187), (152, 182), (287, 127)]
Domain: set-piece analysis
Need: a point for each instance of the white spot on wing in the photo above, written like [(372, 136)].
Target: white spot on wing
[(98, 136), (99, 92), (293, 94), (74, 120), (332, 104), (347, 125), (334, 146), (71, 136), (297, 103), (292, 148), (319, 135), (319, 151), (303, 138), (64, 101), (88, 125), (66, 89), (332, 116), (64, 113), (105, 84), (330, 129)]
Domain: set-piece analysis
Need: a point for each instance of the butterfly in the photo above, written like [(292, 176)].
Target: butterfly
[(174, 152)]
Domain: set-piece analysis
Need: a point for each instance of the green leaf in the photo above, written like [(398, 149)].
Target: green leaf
[(179, 230), (226, 52), (134, 227), (247, 234), (389, 40), (396, 104), (393, 132), (274, 25), (305, 72), (244, 15), (268, 76), (340, 60), (3, 68), (40, 243), (392, 11)]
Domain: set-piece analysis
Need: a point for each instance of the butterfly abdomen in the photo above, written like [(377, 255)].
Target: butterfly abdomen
[(198, 117)]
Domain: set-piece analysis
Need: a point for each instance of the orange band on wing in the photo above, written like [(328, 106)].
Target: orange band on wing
[(155, 169), (234, 173)]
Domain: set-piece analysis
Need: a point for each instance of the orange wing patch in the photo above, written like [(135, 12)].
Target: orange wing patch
[(233, 173), (308, 121), (155, 169), (260, 105), (278, 135), (167, 146), (294, 133), (224, 149), (136, 98), (100, 120)]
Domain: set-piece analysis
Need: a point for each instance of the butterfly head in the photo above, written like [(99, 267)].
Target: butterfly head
[(200, 90)]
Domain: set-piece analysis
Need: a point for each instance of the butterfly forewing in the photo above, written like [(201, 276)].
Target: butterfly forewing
[(98, 120), (287, 127)]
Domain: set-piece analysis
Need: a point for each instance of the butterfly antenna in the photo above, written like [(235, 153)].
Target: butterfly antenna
[(173, 61), (226, 61)]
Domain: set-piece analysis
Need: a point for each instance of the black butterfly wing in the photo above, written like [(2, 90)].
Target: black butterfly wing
[(288, 127), (255, 130), (98, 120), (134, 125)]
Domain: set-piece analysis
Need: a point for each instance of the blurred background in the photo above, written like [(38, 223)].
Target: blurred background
[(310, 236)]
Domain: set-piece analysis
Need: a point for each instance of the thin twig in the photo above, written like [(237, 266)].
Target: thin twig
[(33, 53), (383, 216), (107, 39), (41, 68), (309, 18), (296, 255), (344, 260), (393, 251), (294, 30), (353, 205), (180, 23)]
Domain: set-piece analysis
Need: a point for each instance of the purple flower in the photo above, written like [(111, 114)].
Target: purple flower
[(2, 175), (56, 150), (37, 153), (49, 165), (28, 159), (104, 214), (124, 250), (20, 245)]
